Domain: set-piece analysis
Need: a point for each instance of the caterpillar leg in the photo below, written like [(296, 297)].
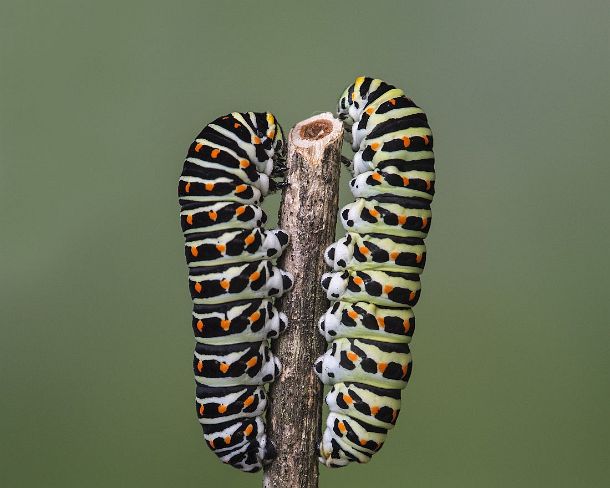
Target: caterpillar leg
[(347, 162)]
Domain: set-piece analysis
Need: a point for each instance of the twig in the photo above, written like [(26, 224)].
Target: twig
[(309, 214)]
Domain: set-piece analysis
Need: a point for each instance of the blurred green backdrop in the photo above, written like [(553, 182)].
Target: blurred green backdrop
[(98, 103)]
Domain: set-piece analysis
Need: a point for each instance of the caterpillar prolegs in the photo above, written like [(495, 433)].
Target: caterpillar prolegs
[(376, 269), (233, 281)]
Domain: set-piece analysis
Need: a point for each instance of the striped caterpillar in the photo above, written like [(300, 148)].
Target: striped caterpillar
[(232, 280), (376, 268)]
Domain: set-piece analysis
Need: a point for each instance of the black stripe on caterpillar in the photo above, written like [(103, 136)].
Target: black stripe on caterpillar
[(233, 280), (376, 268)]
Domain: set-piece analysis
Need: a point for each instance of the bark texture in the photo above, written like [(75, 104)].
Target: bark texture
[(309, 214)]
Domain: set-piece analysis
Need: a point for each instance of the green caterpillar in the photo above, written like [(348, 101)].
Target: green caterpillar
[(376, 268)]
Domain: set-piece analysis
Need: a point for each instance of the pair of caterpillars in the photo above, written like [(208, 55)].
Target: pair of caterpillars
[(233, 280)]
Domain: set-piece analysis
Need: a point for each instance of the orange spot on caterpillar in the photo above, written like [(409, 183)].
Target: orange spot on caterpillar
[(249, 240), (404, 371), (240, 210), (256, 140), (221, 247), (352, 356), (374, 410), (426, 140), (215, 153), (225, 284), (198, 146), (240, 188), (363, 249), (222, 408), (271, 134), (213, 215), (374, 213), (236, 125), (227, 440), (381, 322), (254, 276), (405, 181), (428, 184), (200, 366), (394, 255), (252, 362), (392, 101), (370, 110), (211, 443), (377, 177), (248, 401), (353, 315), (418, 258), (412, 296), (407, 325), (201, 409), (424, 222), (341, 427), (224, 367), (255, 316), (363, 442), (248, 430), (189, 219), (387, 289), (406, 141), (381, 367), (187, 187), (394, 415), (359, 281), (209, 186), (198, 287), (225, 324), (199, 325), (348, 399), (194, 251), (375, 146), (244, 163), (402, 219)]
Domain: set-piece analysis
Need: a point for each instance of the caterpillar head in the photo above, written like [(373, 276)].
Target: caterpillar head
[(267, 140), (279, 145), (343, 105), (352, 101), (271, 135), (275, 144)]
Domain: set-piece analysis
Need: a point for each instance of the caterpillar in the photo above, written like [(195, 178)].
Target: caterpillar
[(233, 281), (376, 267)]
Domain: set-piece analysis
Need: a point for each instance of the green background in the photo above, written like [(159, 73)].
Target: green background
[(98, 103)]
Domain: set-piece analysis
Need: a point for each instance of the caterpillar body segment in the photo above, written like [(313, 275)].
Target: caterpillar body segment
[(367, 321), (376, 268), (236, 322), (233, 280)]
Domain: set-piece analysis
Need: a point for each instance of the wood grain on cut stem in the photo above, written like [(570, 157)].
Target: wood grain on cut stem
[(308, 214)]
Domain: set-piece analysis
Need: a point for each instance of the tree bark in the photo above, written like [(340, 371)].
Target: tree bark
[(308, 214)]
